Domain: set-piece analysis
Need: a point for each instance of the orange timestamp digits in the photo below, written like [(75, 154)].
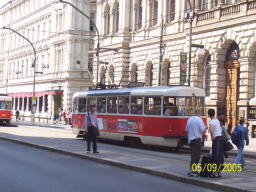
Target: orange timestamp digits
[(212, 167)]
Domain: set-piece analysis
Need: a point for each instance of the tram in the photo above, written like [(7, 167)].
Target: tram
[(5, 109), (150, 115)]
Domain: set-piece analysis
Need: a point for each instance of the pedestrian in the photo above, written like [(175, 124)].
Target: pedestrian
[(242, 134), (217, 143), (64, 117), (195, 127), (91, 125), (17, 114)]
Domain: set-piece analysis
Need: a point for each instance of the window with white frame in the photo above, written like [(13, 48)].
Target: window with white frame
[(170, 10), (154, 12), (107, 19), (138, 15)]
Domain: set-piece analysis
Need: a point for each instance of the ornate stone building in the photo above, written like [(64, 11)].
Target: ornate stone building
[(225, 68), (61, 37)]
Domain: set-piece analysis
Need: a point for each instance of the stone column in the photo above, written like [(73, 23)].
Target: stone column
[(14, 103), (27, 104), (37, 105), (43, 105)]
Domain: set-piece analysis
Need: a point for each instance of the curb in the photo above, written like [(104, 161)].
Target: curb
[(176, 177)]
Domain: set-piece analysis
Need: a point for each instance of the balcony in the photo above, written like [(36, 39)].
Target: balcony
[(237, 10)]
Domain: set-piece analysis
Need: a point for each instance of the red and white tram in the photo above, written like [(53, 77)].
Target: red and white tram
[(151, 115), (5, 109)]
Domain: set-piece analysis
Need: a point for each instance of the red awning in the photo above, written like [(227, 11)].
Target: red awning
[(37, 94)]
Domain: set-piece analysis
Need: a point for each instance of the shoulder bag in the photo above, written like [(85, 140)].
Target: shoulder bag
[(95, 131), (227, 145)]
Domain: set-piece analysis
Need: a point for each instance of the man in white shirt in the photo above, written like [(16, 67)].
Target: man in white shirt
[(195, 127)]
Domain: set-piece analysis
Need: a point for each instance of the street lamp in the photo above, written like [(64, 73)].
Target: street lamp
[(34, 65), (97, 31), (190, 17)]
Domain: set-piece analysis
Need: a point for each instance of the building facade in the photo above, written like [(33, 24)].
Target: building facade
[(61, 37), (225, 68)]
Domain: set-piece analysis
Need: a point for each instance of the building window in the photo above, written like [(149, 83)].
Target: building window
[(165, 72), (149, 74), (207, 76), (138, 15), (107, 19), (116, 18), (92, 16), (134, 73), (154, 12), (111, 74), (102, 75), (170, 10)]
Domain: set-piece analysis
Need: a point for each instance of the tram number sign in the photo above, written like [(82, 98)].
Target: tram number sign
[(183, 68), (252, 113)]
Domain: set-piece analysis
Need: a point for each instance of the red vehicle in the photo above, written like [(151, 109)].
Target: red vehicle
[(5, 109), (150, 115)]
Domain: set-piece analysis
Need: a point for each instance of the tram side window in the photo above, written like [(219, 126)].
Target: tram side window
[(101, 105), (82, 105), (169, 106), (112, 105), (75, 105), (123, 105), (188, 105), (136, 105), (2, 104), (152, 106), (91, 101)]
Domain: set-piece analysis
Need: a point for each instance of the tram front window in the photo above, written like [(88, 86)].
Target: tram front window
[(136, 105), (75, 105), (152, 106), (82, 105), (91, 102)]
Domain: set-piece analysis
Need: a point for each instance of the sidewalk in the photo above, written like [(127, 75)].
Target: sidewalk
[(168, 165)]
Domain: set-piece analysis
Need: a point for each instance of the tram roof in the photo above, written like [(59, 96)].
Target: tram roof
[(145, 91)]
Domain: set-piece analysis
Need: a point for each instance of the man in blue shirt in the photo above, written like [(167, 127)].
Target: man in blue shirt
[(242, 134), (195, 127)]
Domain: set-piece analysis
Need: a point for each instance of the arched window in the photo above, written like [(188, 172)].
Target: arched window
[(170, 10), (116, 18), (149, 74), (154, 12), (207, 76), (111, 74), (107, 19), (102, 75), (138, 14), (133, 73), (165, 72)]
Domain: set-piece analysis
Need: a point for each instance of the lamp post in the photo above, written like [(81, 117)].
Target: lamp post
[(34, 65), (97, 31), (190, 17)]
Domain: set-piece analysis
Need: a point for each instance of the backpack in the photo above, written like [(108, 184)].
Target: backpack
[(235, 137)]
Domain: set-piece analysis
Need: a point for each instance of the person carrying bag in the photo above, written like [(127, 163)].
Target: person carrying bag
[(92, 130), (227, 144)]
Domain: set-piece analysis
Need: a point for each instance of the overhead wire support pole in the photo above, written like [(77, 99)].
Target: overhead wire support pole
[(97, 31), (190, 16), (34, 62), (160, 51)]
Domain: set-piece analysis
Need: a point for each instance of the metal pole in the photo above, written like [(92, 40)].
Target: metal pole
[(97, 31), (34, 62), (190, 43), (160, 52)]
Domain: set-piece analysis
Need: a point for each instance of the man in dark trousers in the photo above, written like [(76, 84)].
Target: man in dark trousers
[(195, 127), (242, 134), (91, 124)]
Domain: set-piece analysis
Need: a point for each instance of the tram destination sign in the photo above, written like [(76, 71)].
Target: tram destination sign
[(251, 113)]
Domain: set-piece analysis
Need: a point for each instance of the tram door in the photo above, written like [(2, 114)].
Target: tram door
[(232, 81)]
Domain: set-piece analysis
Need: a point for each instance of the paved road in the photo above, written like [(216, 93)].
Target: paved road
[(26, 169)]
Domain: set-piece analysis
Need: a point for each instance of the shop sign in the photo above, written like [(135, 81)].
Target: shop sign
[(252, 113)]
